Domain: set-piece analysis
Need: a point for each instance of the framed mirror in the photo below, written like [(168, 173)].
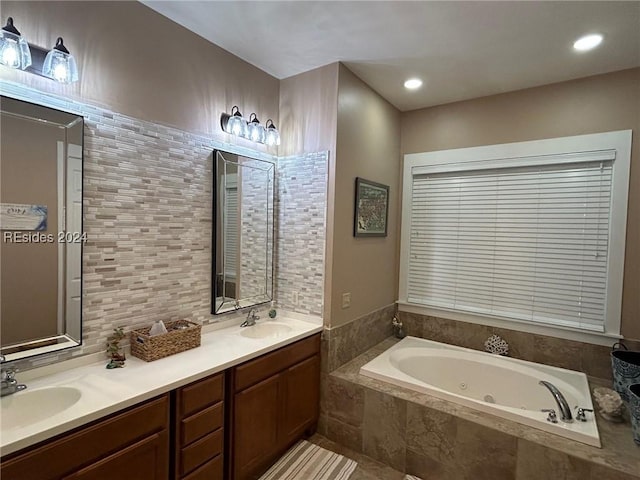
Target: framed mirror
[(41, 228), (242, 241)]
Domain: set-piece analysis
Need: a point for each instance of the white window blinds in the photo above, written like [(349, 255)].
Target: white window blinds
[(527, 243)]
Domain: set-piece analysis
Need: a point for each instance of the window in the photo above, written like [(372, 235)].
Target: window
[(531, 232)]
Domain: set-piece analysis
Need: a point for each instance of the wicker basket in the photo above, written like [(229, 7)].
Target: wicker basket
[(176, 340)]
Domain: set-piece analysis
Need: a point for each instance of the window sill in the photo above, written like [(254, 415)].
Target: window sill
[(604, 339)]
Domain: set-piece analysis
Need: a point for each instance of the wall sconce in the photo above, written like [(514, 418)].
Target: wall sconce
[(15, 52), (235, 124)]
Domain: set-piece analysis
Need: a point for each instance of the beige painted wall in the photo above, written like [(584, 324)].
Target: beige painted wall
[(308, 111), (134, 61), (368, 146), (588, 105)]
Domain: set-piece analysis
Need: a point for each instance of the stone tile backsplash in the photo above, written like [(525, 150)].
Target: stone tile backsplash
[(147, 216), (301, 222)]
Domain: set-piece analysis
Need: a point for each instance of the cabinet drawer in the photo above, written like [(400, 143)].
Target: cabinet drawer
[(200, 424), (267, 365), (68, 453), (200, 394), (212, 470), (200, 451)]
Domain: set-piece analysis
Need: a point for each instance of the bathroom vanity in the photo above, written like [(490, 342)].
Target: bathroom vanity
[(250, 400)]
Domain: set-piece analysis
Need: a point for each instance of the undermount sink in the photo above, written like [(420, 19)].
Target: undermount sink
[(31, 406), (265, 330)]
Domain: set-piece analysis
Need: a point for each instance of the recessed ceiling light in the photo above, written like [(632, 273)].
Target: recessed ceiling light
[(587, 42), (413, 83)]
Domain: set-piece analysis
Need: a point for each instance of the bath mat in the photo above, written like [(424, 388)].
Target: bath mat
[(306, 461)]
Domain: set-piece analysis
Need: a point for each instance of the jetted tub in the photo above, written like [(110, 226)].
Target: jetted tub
[(505, 387)]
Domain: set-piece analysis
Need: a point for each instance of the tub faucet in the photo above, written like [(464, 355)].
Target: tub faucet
[(563, 406), (9, 383), (251, 319)]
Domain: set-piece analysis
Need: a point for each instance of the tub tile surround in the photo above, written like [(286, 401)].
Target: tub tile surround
[(345, 342), (593, 360), (147, 215), (444, 440)]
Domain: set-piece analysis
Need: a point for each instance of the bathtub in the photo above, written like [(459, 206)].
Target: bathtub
[(502, 386)]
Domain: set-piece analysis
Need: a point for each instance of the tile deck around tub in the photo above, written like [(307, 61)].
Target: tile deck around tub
[(347, 411)]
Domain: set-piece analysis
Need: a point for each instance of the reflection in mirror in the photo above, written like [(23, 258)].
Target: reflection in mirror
[(41, 152), (243, 195)]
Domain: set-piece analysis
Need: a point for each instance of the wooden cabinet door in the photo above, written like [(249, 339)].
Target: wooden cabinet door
[(256, 413), (144, 460), (301, 402)]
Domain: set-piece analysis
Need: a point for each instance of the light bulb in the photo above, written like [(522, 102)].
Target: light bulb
[(10, 54), (413, 83), (587, 42), (60, 72)]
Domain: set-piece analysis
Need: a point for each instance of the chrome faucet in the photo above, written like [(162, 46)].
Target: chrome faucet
[(563, 406), (251, 318), (9, 383)]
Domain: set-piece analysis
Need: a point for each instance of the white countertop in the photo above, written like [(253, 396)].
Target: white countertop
[(107, 391)]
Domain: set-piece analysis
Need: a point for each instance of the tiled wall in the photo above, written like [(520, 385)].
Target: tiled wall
[(344, 343), (440, 440), (147, 215), (301, 223), (594, 360)]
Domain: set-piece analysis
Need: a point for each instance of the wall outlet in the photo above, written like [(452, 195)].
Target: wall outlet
[(294, 298), (346, 300)]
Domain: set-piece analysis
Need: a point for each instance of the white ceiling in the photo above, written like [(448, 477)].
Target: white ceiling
[(461, 50)]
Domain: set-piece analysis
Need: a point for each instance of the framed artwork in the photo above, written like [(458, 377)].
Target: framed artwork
[(371, 209), (18, 216)]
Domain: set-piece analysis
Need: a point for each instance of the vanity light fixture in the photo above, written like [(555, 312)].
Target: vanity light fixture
[(14, 49), (15, 52), (257, 132), (587, 42), (235, 124), (60, 65), (273, 136)]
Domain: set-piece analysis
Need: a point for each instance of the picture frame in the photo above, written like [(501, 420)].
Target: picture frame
[(371, 209)]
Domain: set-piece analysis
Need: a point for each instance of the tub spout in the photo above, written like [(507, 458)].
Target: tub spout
[(563, 406)]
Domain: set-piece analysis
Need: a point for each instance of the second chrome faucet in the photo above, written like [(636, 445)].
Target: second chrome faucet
[(563, 406), (252, 316)]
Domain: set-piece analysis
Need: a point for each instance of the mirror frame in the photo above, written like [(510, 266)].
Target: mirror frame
[(226, 307), (63, 340)]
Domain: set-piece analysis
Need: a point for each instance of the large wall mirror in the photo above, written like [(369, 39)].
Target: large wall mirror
[(41, 155), (243, 195)]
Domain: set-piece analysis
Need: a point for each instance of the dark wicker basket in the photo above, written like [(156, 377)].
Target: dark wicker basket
[(181, 335)]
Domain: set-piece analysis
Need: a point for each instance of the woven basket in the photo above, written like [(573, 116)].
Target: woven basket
[(150, 348)]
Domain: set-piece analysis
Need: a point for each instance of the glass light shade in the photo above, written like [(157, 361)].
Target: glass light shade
[(236, 126), (14, 50), (256, 131), (60, 64), (272, 136)]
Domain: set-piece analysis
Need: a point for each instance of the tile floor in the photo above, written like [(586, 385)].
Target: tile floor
[(368, 469)]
